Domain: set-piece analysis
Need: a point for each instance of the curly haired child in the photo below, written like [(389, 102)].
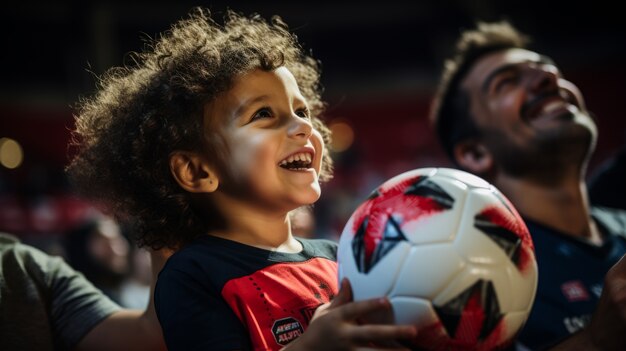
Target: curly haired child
[(208, 141)]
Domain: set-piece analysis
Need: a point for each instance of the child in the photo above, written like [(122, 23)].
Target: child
[(210, 141)]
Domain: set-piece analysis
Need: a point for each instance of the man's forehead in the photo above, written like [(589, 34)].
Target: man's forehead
[(519, 55), (493, 61)]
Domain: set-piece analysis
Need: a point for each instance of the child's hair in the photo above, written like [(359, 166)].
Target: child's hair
[(143, 112)]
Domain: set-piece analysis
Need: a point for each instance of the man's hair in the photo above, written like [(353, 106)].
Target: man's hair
[(143, 112), (450, 111)]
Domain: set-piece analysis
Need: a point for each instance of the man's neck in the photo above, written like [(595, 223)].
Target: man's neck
[(563, 206)]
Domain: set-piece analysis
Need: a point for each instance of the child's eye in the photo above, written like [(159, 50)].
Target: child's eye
[(264, 112), (303, 112)]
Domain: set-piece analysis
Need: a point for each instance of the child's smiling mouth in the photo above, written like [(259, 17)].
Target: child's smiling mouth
[(298, 161)]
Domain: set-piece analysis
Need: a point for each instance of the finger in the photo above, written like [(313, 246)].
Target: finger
[(344, 295), (356, 309), (620, 266), (617, 273), (320, 311), (364, 334)]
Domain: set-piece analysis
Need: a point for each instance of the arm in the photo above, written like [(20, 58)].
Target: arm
[(130, 329), (336, 326), (607, 330)]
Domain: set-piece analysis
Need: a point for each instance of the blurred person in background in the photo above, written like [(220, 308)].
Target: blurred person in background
[(97, 248), (135, 291), (100, 249)]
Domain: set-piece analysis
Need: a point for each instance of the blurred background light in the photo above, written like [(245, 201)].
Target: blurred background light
[(11, 155), (343, 136)]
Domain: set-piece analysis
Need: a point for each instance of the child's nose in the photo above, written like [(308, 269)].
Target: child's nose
[(300, 127)]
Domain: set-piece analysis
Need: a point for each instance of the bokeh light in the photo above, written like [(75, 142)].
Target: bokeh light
[(11, 155), (343, 136)]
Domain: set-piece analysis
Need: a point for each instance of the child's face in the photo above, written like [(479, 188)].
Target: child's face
[(274, 154)]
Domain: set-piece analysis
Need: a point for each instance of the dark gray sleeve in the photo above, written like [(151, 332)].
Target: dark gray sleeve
[(75, 305)]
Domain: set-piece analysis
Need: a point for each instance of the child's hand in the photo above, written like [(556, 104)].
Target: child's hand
[(334, 326)]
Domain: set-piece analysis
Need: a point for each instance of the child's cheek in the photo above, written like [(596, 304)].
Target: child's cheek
[(252, 155), (318, 143)]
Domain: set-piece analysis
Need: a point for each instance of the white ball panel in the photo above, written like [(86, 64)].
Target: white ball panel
[(379, 280), (394, 181), (471, 242), (441, 226), (413, 311), (469, 276), (432, 229), (507, 295), (427, 270), (523, 286), (465, 177), (478, 248)]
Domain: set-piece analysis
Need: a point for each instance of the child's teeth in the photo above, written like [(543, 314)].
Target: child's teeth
[(300, 157)]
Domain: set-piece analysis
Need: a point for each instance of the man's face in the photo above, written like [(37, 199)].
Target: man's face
[(531, 119)]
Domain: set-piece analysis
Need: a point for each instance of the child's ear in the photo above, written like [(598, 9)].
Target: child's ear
[(192, 172), (474, 157)]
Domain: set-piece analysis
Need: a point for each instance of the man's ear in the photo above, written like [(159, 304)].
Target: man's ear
[(192, 172), (474, 157)]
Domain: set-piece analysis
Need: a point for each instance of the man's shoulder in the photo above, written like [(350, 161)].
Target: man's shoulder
[(612, 218), (8, 240)]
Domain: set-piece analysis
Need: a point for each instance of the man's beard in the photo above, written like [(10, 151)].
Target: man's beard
[(548, 157)]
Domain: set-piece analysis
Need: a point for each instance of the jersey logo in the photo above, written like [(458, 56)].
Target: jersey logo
[(597, 290), (576, 323), (285, 330), (575, 291)]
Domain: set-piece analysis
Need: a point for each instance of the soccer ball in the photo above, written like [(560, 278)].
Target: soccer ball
[(450, 252)]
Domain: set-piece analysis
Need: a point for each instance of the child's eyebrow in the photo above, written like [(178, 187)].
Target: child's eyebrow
[(246, 104)]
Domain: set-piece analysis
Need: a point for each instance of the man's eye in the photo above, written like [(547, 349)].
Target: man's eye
[(504, 82), (303, 112), (264, 112)]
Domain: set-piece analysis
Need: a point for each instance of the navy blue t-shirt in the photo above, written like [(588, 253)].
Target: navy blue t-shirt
[(218, 294), (571, 275)]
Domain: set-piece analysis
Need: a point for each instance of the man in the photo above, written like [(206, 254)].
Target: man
[(606, 185), (506, 114), (47, 305)]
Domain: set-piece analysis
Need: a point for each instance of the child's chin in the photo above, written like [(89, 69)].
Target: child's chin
[(309, 198)]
